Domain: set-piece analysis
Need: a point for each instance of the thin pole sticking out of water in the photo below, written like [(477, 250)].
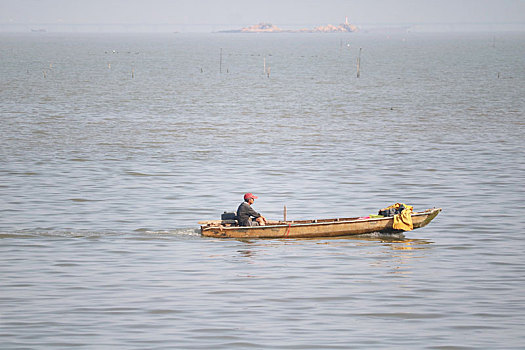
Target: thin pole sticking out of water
[(359, 63), (266, 68), (132, 73), (220, 61)]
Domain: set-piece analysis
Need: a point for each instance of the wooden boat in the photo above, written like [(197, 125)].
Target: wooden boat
[(312, 228)]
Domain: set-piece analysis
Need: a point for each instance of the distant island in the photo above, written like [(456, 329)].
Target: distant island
[(270, 28)]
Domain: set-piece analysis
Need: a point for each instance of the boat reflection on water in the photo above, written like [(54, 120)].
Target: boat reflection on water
[(397, 245), (342, 240)]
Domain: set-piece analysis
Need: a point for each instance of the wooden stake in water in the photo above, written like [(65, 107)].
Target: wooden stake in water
[(264, 65), (220, 61), (132, 73), (359, 63)]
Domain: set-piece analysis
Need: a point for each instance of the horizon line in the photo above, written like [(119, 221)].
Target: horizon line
[(251, 23)]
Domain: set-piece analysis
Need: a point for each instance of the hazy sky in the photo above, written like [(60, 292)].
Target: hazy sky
[(251, 11)]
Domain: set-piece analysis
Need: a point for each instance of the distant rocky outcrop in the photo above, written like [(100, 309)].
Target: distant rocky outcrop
[(256, 28), (270, 28), (262, 28), (330, 28)]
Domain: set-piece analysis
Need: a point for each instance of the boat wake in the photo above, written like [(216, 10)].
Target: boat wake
[(138, 233), (175, 232)]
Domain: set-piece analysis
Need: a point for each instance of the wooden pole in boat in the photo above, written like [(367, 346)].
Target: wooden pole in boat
[(284, 213), (359, 63)]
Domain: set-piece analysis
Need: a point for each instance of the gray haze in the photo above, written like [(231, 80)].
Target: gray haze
[(203, 15)]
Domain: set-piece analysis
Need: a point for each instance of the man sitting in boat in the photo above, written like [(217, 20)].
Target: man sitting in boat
[(245, 213)]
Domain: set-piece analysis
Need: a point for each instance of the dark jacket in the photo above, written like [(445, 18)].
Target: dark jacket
[(244, 214)]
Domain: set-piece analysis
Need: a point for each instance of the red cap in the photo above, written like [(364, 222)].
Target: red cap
[(249, 195)]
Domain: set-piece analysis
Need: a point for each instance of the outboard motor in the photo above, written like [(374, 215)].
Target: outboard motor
[(229, 218)]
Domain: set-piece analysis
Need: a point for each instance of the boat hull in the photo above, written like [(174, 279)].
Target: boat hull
[(317, 228)]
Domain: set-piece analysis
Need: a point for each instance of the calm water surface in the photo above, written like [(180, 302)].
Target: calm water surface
[(114, 147)]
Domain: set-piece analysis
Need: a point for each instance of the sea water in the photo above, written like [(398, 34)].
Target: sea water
[(113, 147)]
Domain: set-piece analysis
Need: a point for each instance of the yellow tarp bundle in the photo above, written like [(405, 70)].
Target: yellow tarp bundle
[(403, 221)]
